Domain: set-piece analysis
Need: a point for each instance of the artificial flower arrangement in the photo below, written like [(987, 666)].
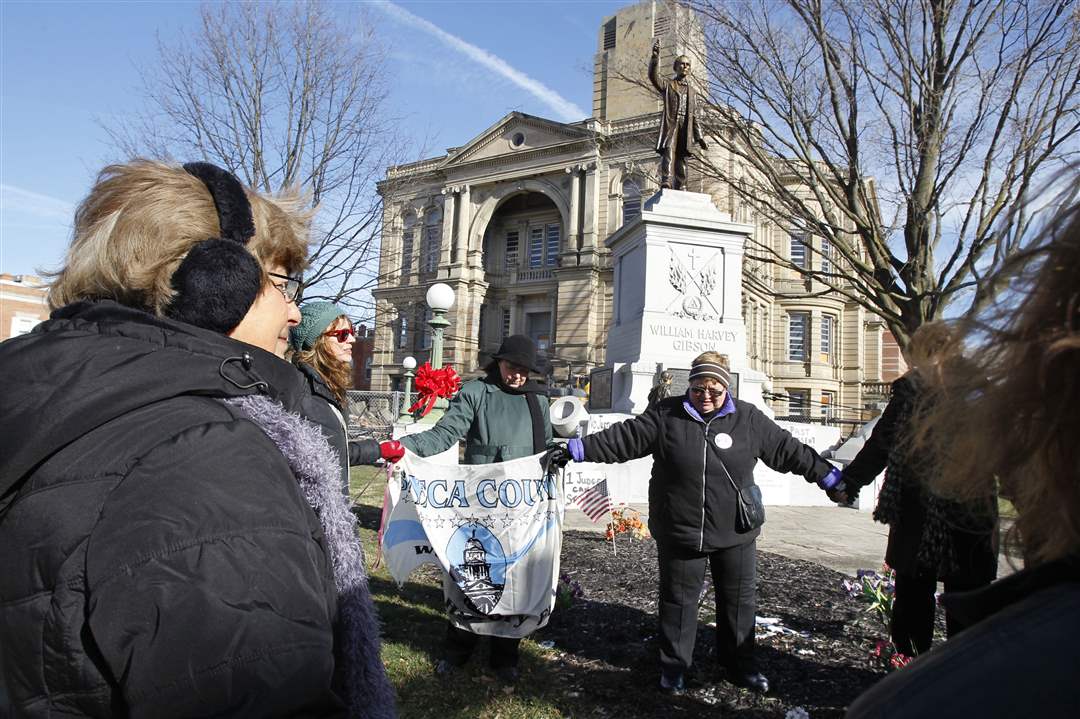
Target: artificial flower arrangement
[(626, 520)]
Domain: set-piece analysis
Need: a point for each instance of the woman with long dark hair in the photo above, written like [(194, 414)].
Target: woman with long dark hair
[(322, 350)]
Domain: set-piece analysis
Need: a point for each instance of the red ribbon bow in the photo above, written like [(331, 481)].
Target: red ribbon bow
[(432, 384)]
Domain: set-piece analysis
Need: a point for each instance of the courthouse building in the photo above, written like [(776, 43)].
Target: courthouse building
[(515, 222)]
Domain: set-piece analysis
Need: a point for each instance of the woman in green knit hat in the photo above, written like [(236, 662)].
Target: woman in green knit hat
[(322, 351)]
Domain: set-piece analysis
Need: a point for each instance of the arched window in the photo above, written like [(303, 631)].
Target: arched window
[(631, 199)]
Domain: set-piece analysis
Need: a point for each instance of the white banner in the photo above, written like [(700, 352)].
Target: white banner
[(495, 529)]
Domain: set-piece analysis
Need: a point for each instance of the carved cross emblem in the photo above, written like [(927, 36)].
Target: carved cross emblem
[(694, 287)]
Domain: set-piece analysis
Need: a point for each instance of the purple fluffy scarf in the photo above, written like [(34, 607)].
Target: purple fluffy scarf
[(312, 460)]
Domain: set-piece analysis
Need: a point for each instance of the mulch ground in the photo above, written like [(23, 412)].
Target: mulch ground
[(817, 656)]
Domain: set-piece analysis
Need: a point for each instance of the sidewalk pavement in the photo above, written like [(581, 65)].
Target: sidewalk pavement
[(840, 538)]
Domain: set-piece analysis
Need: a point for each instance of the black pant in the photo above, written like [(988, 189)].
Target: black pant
[(914, 605), (459, 646), (682, 576)]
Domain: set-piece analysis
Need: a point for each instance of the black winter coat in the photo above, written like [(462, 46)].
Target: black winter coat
[(159, 558), (691, 502), (881, 452), (970, 527), (322, 408)]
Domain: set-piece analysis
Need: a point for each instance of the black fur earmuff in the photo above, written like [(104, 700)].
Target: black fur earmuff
[(218, 280)]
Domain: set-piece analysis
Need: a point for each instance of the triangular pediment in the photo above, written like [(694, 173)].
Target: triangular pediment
[(515, 134)]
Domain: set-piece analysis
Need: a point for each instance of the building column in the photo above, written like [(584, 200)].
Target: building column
[(419, 230), (462, 205), (448, 245), (553, 301), (591, 209), (384, 346), (573, 227)]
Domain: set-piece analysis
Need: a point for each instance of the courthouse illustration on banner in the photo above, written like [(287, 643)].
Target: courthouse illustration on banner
[(494, 529)]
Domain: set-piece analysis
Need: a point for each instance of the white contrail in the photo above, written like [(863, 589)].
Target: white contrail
[(566, 110), (17, 199)]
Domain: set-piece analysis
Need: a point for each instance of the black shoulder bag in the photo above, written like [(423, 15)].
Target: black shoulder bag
[(749, 509)]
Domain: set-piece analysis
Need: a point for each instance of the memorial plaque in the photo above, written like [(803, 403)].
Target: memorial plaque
[(600, 388)]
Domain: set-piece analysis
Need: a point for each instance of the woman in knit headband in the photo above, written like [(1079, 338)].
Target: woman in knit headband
[(704, 506)]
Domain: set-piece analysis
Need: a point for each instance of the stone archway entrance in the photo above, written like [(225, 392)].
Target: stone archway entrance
[(522, 240)]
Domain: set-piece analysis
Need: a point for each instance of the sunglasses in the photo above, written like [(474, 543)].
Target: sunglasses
[(292, 287), (700, 392), (342, 335)]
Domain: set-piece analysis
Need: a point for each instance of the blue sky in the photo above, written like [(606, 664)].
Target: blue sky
[(65, 67)]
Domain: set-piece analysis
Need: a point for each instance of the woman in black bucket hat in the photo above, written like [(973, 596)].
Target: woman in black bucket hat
[(518, 350), (501, 416)]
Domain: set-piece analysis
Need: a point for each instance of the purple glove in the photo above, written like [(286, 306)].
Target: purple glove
[(831, 480), (577, 449)]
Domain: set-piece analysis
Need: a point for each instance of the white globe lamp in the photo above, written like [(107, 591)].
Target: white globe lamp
[(440, 297)]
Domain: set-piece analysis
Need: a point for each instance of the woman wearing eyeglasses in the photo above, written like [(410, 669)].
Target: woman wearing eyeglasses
[(172, 537), (322, 350), (704, 446)]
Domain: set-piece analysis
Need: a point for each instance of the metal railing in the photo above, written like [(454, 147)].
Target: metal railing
[(533, 275), (372, 414), (880, 389)]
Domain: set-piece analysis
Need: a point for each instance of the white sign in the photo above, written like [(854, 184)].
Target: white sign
[(496, 531)]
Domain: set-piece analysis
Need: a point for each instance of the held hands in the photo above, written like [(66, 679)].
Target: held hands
[(839, 494), (834, 486), (392, 451)]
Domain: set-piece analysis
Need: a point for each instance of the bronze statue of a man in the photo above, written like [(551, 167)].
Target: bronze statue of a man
[(678, 123)]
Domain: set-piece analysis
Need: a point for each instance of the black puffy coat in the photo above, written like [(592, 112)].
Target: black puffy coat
[(691, 502), (159, 558), (322, 408)]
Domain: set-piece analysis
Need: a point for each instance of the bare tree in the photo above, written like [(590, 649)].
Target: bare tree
[(283, 95), (899, 131)]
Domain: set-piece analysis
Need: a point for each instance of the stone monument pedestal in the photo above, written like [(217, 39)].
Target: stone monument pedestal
[(678, 293)]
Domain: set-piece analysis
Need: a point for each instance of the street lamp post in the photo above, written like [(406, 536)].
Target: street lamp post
[(440, 298), (409, 363)]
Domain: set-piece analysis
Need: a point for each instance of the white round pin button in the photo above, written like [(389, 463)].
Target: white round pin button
[(723, 440)]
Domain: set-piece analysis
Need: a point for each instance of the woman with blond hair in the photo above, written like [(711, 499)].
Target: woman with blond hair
[(172, 535), (705, 444), (1005, 416)]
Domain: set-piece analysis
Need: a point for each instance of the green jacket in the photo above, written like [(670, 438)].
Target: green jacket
[(496, 425)]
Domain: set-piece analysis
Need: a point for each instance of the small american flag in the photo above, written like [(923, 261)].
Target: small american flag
[(595, 501)]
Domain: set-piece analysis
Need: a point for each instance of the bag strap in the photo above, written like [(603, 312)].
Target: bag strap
[(539, 440), (723, 466)]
